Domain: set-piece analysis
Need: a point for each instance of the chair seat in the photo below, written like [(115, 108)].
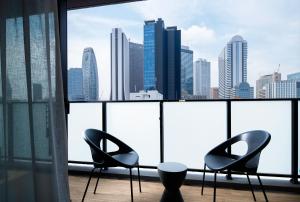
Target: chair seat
[(218, 162), (129, 159)]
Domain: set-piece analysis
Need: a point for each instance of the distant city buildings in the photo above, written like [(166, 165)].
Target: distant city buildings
[(283, 89), (263, 81), (119, 65), (242, 91), (186, 71), (294, 76), (75, 84), (146, 95), (214, 93), (232, 66), (136, 67), (163, 69), (162, 59), (202, 81), (90, 75)]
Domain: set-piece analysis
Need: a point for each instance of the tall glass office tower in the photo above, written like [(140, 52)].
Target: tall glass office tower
[(119, 65), (90, 75), (202, 81), (136, 67), (149, 56), (186, 71), (162, 59), (232, 66), (75, 84)]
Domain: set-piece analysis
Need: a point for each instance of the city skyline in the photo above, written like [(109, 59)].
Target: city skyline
[(232, 70), (209, 25)]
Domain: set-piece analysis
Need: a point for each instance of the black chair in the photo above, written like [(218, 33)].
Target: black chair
[(218, 159), (124, 157)]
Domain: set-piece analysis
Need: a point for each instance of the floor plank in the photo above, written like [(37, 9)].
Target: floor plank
[(114, 190)]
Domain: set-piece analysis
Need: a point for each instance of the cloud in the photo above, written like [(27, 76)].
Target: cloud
[(174, 12), (198, 35)]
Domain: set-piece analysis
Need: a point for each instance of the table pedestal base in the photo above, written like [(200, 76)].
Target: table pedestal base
[(172, 196)]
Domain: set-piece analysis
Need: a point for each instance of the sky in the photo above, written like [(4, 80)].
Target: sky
[(271, 28)]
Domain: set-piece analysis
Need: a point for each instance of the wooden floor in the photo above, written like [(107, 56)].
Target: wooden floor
[(114, 190)]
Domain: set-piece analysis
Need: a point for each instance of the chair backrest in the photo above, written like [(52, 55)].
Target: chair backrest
[(94, 138), (256, 140)]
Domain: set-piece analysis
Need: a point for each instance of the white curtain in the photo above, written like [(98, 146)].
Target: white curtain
[(33, 140)]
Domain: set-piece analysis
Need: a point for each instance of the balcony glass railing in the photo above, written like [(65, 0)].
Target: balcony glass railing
[(81, 117), (186, 131), (138, 125), (274, 117), (191, 129)]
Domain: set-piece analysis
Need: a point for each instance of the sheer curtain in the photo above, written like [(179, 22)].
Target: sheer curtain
[(33, 140)]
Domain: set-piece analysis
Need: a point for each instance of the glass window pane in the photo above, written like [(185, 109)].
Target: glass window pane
[(82, 116), (191, 129), (136, 124), (271, 116)]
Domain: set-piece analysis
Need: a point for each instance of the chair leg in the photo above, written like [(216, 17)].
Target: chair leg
[(215, 185), (139, 177), (131, 190), (251, 187), (262, 187), (97, 180), (87, 186), (203, 179)]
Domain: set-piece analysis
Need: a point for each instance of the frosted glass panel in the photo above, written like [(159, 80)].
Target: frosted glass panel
[(136, 124), (82, 116), (271, 116), (298, 137), (191, 129)]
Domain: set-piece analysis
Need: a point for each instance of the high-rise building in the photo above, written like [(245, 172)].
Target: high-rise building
[(232, 66), (283, 89), (90, 75), (263, 81), (242, 91), (186, 71), (214, 93), (172, 78), (202, 81), (75, 84), (154, 54), (119, 65), (162, 59), (136, 66), (295, 76)]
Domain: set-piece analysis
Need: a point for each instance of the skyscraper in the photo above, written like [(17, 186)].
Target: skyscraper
[(162, 59), (186, 71), (119, 65), (172, 78), (262, 82), (90, 75), (202, 78), (232, 66), (75, 84), (136, 66), (154, 54)]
